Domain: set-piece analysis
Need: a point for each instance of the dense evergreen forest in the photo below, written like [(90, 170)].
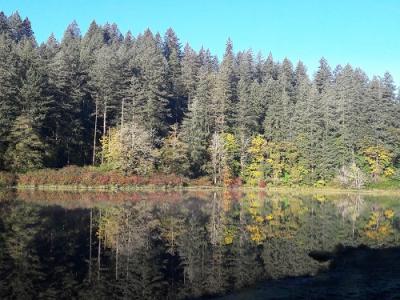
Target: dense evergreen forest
[(148, 104)]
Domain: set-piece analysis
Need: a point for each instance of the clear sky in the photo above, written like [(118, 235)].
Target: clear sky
[(364, 33)]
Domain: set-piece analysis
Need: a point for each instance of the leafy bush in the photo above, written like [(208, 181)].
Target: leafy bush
[(236, 182), (201, 181), (385, 184), (73, 175), (351, 176), (320, 183)]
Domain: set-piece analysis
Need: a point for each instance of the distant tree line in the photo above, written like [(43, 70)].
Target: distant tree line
[(146, 104)]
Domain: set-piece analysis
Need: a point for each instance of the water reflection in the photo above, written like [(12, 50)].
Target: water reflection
[(176, 245)]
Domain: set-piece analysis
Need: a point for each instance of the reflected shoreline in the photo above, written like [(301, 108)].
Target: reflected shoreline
[(375, 274), (180, 244)]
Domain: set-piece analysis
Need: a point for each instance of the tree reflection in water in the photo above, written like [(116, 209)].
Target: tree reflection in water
[(176, 245)]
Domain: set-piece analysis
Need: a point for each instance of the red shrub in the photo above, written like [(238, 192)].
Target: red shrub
[(236, 182), (73, 175), (262, 184)]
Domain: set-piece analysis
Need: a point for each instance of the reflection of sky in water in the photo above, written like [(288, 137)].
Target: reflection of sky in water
[(184, 244)]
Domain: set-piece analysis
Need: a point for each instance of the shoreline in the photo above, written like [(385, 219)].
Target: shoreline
[(150, 188)]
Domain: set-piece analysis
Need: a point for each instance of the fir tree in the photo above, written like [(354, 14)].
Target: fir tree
[(225, 94), (26, 150), (150, 103)]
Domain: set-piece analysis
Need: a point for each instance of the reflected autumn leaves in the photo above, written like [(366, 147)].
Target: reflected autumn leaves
[(180, 244)]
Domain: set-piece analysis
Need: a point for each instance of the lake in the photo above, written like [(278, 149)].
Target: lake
[(203, 244)]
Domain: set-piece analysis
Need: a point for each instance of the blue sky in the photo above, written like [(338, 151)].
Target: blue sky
[(364, 33)]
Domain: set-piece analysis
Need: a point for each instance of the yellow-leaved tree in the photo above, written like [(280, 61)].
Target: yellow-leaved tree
[(278, 161), (111, 149), (380, 161), (231, 164), (128, 149), (256, 169)]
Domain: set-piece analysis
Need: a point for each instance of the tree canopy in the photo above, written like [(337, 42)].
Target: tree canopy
[(64, 102)]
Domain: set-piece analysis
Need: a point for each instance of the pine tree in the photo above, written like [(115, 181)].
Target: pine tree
[(275, 120), (106, 80), (111, 34), (345, 97), (34, 99), (19, 28), (35, 103), (389, 111), (173, 55), (190, 69), (268, 69), (4, 26), (326, 122), (150, 103), (225, 94), (246, 113), (304, 123), (350, 88), (9, 88), (26, 150), (91, 43), (66, 75), (173, 154), (197, 124), (125, 57)]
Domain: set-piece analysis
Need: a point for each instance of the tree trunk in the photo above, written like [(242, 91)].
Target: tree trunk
[(104, 129), (95, 133), (122, 113)]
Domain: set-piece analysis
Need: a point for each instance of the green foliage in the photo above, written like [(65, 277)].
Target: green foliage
[(196, 125), (120, 94), (7, 179), (352, 176), (235, 236), (380, 161), (149, 84), (385, 184), (129, 149), (257, 169), (111, 149), (25, 151), (277, 162), (173, 158), (231, 148)]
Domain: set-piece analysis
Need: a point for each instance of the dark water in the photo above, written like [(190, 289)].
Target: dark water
[(229, 245)]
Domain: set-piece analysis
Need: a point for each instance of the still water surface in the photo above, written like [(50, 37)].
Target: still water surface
[(184, 245)]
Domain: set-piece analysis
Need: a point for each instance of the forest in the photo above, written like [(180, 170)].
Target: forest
[(146, 105)]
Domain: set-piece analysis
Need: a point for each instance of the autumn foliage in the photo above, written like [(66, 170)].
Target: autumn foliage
[(77, 176)]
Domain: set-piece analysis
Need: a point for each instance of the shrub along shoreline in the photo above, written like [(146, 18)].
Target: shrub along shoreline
[(96, 179), (86, 178)]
